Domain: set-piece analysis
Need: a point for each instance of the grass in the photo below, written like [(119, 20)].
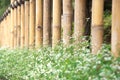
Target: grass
[(70, 63)]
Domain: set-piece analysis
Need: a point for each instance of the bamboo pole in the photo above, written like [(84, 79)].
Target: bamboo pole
[(116, 28), (8, 33), (67, 21), (4, 31), (47, 23), (56, 29), (97, 25), (39, 23), (9, 27), (80, 16), (12, 24), (0, 31), (32, 24), (15, 24), (27, 23), (4, 26), (22, 24), (19, 24)]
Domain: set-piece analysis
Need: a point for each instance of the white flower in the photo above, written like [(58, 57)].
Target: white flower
[(98, 62)]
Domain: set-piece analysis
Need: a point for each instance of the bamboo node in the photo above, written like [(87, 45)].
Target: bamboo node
[(98, 27), (39, 27)]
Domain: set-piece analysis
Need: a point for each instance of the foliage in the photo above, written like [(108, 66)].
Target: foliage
[(3, 6), (70, 63), (107, 26)]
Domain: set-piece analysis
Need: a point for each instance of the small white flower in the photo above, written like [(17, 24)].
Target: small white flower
[(98, 62)]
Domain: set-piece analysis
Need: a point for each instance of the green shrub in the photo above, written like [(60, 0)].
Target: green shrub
[(71, 63)]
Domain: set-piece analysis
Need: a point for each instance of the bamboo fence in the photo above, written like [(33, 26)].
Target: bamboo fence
[(41, 23)]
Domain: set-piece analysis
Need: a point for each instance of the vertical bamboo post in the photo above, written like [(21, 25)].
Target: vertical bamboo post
[(9, 17), (0, 31), (116, 28), (8, 31), (4, 26), (97, 25), (19, 24), (56, 29), (32, 24), (5, 33), (47, 23), (12, 24), (80, 16), (27, 23), (7, 28), (4, 30), (39, 23), (67, 21), (22, 24), (15, 24)]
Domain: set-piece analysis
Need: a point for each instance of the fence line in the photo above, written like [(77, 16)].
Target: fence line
[(37, 23)]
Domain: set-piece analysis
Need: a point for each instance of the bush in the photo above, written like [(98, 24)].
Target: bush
[(70, 63)]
